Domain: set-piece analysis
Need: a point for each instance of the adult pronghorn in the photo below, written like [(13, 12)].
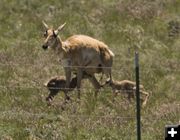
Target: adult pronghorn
[(80, 53)]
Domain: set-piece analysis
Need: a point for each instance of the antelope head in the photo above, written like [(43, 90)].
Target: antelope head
[(51, 36)]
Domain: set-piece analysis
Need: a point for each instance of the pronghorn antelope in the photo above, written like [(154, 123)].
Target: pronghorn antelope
[(80, 53), (58, 83), (128, 87)]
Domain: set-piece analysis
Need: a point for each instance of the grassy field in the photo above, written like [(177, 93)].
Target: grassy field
[(152, 27)]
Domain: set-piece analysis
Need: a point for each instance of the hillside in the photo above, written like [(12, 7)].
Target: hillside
[(151, 27)]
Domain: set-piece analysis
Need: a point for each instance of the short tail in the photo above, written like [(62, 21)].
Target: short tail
[(111, 53)]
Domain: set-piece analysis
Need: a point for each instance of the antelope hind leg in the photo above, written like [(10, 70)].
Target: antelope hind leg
[(68, 79), (95, 83), (79, 78)]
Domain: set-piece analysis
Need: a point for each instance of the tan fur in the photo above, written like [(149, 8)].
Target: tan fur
[(128, 87), (80, 53), (87, 52)]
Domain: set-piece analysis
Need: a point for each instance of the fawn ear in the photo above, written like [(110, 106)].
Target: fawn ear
[(108, 81), (45, 25), (45, 84)]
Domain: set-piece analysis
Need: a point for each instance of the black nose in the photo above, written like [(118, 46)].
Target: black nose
[(44, 47)]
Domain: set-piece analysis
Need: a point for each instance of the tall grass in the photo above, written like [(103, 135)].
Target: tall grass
[(152, 27)]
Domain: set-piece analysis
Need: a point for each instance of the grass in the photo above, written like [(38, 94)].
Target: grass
[(152, 27)]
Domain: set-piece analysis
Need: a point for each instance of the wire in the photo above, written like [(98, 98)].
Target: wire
[(113, 68), (87, 89), (40, 115)]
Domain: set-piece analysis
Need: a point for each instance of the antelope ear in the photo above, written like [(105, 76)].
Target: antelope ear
[(61, 27), (45, 25)]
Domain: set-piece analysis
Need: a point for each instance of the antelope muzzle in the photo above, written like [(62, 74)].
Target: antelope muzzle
[(44, 47)]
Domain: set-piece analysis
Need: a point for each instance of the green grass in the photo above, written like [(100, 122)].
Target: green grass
[(124, 26)]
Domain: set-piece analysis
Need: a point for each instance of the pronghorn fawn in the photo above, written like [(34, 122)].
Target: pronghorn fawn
[(127, 87), (79, 53), (58, 83)]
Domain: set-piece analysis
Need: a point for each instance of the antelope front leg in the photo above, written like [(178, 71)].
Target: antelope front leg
[(68, 79), (79, 78)]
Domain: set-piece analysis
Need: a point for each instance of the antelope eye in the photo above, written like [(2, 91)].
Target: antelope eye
[(45, 34)]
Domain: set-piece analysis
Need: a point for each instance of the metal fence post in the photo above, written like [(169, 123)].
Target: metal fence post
[(138, 108)]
